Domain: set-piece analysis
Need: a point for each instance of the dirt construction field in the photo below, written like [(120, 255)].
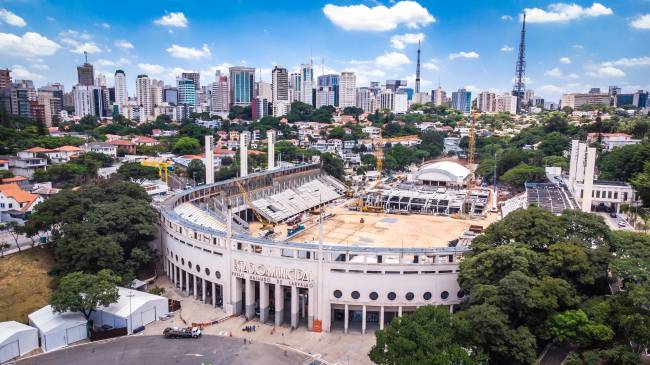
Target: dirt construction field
[(389, 230)]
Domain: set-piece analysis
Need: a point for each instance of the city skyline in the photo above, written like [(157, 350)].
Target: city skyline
[(163, 40)]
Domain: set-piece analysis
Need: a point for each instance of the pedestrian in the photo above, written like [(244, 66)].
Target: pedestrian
[(244, 341)]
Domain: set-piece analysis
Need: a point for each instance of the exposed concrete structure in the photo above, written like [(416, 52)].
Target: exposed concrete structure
[(244, 140), (270, 137), (209, 159)]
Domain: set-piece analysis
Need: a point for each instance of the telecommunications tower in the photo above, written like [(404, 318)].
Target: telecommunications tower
[(519, 88)]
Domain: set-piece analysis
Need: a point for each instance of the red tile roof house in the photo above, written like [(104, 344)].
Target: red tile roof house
[(124, 144)]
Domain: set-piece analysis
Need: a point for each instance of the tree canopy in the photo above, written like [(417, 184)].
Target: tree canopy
[(81, 292)]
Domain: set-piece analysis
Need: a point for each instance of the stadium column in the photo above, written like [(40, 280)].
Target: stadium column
[(381, 317), (196, 296), (203, 290), (279, 305), (310, 308), (345, 319), (227, 298), (294, 306), (363, 320), (184, 286), (399, 311), (236, 295), (264, 302), (250, 299), (214, 294)]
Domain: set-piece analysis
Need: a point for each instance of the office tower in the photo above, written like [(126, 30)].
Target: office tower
[(461, 100), (195, 77), (5, 78), (387, 99), (295, 87), (111, 95), (170, 95), (157, 92), (264, 90), (594, 90), (306, 84), (88, 100), (506, 103), (393, 85), (220, 94), (86, 73), (121, 92), (242, 85), (143, 94), (486, 102), (100, 80), (366, 99), (438, 96), (186, 92), (401, 101), (329, 82), (539, 102), (640, 99), (47, 100), (347, 90), (56, 101), (280, 91)]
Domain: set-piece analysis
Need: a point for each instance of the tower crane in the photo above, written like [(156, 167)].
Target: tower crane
[(471, 151)]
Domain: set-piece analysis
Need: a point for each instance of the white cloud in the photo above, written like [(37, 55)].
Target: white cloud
[(20, 72), (188, 52), (431, 66), (209, 73), (392, 59), (399, 41), (463, 54), (10, 18), (470, 87), (71, 33), (29, 44), (641, 22), (40, 67), (605, 71), (554, 72), (565, 60), (562, 12), (506, 48), (151, 68), (506, 17), (123, 44), (81, 47), (109, 63), (172, 20), (573, 75), (378, 18), (630, 62)]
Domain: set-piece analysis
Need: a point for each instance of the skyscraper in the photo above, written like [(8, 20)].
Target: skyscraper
[(395, 84), (242, 85), (366, 99), (121, 93), (5, 78), (157, 92), (195, 77), (461, 100), (295, 87), (279, 90), (86, 73), (143, 94), (170, 95), (347, 90), (307, 83), (220, 94), (331, 82), (186, 91)]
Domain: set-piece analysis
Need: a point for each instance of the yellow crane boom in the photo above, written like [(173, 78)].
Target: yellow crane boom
[(249, 202)]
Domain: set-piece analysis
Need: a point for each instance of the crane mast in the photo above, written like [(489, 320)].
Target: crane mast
[(471, 150)]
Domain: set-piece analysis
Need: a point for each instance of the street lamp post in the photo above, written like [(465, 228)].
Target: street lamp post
[(130, 295)]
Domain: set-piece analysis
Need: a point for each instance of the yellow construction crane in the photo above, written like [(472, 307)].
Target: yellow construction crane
[(471, 150), (162, 166), (376, 206), (249, 202)]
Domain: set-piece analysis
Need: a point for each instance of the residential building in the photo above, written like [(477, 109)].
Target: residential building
[(295, 87), (575, 100), (260, 108), (88, 100), (609, 141), (387, 99), (401, 102), (280, 91), (420, 98), (121, 92), (366, 99), (486, 102), (438, 96), (143, 94), (506, 103), (242, 85), (263, 90), (5, 78), (195, 77), (529, 97), (100, 80), (307, 84), (100, 147), (331, 82), (220, 101), (325, 96), (347, 90), (15, 203), (393, 85), (157, 88), (461, 100)]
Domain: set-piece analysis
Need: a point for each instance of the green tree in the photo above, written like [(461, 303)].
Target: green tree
[(518, 175), (196, 170), (332, 165), (186, 146), (427, 336), (137, 172), (575, 326), (79, 292), (641, 183)]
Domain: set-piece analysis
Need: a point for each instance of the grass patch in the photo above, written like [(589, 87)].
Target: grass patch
[(25, 285)]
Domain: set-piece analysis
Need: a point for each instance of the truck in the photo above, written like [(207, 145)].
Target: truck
[(187, 332), (291, 230)]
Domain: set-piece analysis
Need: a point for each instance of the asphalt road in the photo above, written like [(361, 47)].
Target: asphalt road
[(207, 350)]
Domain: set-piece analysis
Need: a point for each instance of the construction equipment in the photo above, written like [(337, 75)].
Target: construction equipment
[(471, 150), (376, 207), (162, 166), (266, 225)]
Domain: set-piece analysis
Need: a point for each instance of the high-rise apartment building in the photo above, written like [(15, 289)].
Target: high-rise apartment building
[(486, 102), (295, 87), (5, 78), (387, 99), (307, 83), (186, 92), (121, 92), (280, 91), (529, 97), (195, 77), (366, 99), (438, 96), (100, 80), (506, 103), (330, 81), (263, 90), (461, 100), (143, 94), (157, 88), (88, 100), (220, 100), (401, 102), (347, 90), (325, 96), (242, 85)]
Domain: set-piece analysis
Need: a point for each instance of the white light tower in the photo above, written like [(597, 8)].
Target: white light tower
[(270, 137), (244, 139), (209, 159)]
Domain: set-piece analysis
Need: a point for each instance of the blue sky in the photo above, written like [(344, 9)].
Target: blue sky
[(571, 46)]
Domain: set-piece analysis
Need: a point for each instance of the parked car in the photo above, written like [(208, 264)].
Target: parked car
[(165, 317), (188, 332), (612, 214), (622, 224)]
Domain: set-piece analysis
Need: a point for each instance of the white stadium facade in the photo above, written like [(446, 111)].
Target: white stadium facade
[(210, 254)]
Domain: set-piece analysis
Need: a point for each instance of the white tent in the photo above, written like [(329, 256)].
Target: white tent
[(57, 330), (132, 310), (16, 339)]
